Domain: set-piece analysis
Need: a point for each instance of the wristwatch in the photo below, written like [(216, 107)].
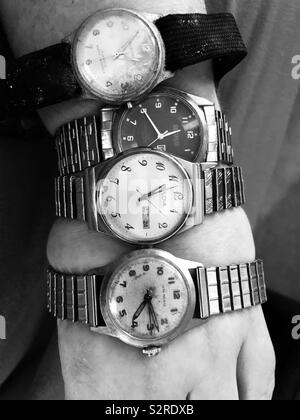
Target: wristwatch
[(149, 298), (120, 55), (169, 120), (145, 196)]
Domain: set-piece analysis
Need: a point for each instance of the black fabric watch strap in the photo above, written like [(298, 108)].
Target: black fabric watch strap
[(46, 77), (27, 127), (38, 80), (193, 38)]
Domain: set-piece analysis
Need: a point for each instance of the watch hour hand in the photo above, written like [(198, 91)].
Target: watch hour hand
[(167, 134), (139, 311), (141, 308), (158, 190)]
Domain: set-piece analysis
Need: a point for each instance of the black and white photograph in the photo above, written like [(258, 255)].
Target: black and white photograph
[(149, 203)]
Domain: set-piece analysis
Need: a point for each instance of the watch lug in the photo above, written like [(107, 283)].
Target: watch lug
[(107, 118), (197, 214), (151, 16), (165, 75), (199, 100), (91, 205), (103, 331), (209, 165), (68, 39)]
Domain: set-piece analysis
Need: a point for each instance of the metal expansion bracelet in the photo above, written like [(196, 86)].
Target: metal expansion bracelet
[(223, 190), (219, 290), (88, 141)]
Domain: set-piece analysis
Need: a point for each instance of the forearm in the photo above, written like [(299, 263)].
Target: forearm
[(34, 24), (98, 366)]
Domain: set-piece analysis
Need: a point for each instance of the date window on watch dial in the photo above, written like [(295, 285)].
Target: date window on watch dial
[(161, 147)]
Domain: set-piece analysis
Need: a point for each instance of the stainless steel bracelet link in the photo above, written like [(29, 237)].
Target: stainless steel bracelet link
[(225, 148), (227, 289), (219, 290), (70, 198), (219, 147), (74, 298), (86, 142), (224, 189)]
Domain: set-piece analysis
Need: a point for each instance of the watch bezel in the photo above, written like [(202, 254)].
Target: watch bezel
[(157, 70), (116, 267), (174, 93), (102, 171)]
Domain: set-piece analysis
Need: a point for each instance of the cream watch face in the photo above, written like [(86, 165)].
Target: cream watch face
[(118, 55), (145, 197), (148, 299)]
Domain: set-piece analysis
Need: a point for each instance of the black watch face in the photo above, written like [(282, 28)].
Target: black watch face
[(163, 122)]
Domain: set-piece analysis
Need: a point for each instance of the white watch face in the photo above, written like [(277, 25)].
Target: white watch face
[(145, 197), (117, 55), (148, 299)]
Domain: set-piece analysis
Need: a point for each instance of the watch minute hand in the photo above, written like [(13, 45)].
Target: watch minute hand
[(126, 45), (154, 317), (154, 126)]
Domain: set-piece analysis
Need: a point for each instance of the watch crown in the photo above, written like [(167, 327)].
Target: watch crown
[(152, 351)]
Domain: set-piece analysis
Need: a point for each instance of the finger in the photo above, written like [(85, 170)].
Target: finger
[(256, 364)]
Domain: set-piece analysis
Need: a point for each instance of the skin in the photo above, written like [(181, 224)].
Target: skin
[(228, 357)]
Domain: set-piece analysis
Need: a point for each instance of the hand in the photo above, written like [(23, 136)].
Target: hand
[(204, 363), (145, 197), (159, 134), (140, 310), (153, 315), (122, 50), (159, 138), (167, 134), (229, 357), (163, 136), (159, 190)]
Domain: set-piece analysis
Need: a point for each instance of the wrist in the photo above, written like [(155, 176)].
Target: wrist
[(32, 25), (197, 80)]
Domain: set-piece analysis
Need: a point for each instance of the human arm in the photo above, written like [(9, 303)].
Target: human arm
[(206, 361)]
